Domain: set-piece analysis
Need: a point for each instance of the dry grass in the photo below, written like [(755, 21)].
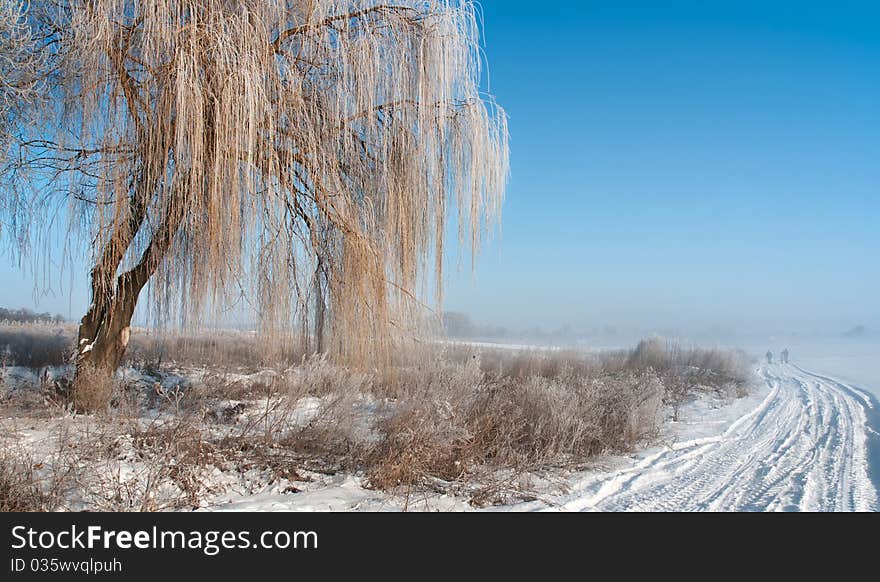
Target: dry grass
[(94, 390), (465, 417), (223, 349), (460, 421), (19, 489), (35, 345)]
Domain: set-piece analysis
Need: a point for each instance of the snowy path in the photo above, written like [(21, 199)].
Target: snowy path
[(803, 448)]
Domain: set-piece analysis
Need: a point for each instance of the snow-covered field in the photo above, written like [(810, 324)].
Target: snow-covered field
[(798, 442), (804, 439), (855, 362)]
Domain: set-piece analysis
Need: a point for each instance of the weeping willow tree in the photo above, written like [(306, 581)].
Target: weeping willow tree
[(21, 65), (309, 151)]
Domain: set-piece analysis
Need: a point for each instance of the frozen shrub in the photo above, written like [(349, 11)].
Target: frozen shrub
[(19, 489), (444, 420), (35, 346)]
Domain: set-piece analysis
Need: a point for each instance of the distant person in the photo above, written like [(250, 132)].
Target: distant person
[(769, 357), (785, 356)]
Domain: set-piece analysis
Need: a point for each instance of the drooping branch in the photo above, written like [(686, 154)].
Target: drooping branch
[(382, 9), (295, 151)]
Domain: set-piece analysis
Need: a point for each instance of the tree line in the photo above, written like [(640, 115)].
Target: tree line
[(28, 316)]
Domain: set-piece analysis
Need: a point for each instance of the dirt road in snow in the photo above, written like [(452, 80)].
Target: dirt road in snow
[(807, 446)]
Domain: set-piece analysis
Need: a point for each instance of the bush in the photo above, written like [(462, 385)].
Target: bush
[(450, 420), (465, 421), (19, 490), (92, 389), (468, 412)]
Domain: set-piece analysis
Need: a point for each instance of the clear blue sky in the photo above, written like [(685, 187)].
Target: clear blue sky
[(674, 164), (685, 164)]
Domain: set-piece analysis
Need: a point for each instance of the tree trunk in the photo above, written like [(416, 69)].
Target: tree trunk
[(320, 307), (103, 338), (106, 328)]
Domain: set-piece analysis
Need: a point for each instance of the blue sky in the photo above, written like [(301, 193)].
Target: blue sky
[(685, 165), (674, 165)]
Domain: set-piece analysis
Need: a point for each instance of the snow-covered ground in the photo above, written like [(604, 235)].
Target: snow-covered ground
[(802, 444), (804, 439), (855, 362), (799, 442)]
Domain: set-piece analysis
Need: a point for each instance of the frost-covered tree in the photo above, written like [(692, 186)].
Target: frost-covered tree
[(309, 152), (20, 67), (23, 62)]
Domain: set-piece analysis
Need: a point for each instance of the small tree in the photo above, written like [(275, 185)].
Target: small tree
[(307, 151)]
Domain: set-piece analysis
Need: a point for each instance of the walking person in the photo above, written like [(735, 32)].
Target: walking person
[(785, 356), (769, 357)]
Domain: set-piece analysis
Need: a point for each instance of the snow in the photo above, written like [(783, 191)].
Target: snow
[(797, 442), (855, 362), (498, 345), (16, 377), (802, 447), (336, 493), (801, 440)]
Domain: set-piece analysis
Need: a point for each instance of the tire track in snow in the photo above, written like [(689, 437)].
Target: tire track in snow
[(805, 447)]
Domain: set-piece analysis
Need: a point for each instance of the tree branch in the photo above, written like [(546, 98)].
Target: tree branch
[(330, 20)]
